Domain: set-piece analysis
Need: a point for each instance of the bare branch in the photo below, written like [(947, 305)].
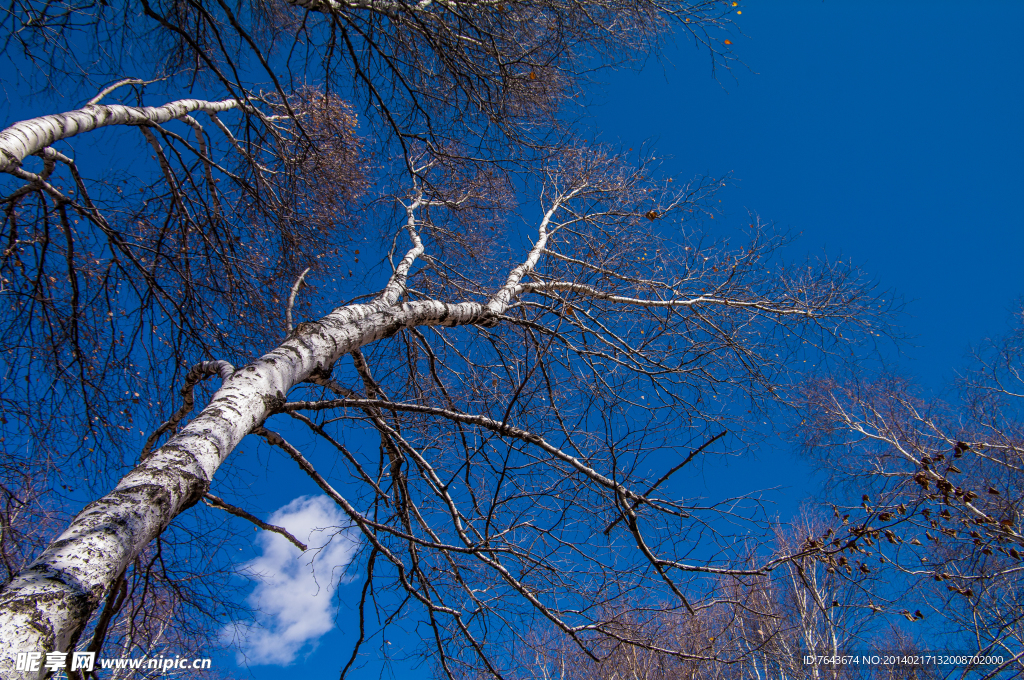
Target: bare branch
[(291, 298), (216, 502)]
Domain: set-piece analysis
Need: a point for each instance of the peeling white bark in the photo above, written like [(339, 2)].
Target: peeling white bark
[(31, 136), (46, 607)]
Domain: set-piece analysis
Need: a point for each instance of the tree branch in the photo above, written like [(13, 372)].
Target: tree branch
[(220, 503)]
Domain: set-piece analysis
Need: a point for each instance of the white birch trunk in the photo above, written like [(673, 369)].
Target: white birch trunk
[(46, 607), (28, 137)]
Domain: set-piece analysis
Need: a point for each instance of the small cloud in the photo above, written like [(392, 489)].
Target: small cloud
[(293, 596)]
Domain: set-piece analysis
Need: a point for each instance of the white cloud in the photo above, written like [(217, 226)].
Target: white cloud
[(293, 596)]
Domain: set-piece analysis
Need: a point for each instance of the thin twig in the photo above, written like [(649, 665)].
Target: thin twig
[(693, 454), (215, 502)]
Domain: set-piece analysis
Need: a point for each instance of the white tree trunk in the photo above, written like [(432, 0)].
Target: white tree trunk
[(32, 136), (46, 607)]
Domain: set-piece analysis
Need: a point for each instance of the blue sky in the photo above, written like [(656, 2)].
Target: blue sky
[(889, 133)]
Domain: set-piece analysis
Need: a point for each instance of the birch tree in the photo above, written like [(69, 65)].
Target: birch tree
[(758, 625), (504, 384), (483, 90), (144, 267), (105, 305), (99, 304)]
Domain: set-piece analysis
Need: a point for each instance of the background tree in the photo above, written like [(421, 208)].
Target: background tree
[(941, 496), (758, 625)]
